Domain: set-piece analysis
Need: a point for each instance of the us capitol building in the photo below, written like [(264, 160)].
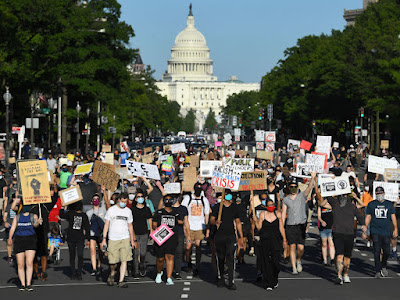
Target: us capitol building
[(189, 79)]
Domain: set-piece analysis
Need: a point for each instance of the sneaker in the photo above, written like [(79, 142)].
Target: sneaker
[(286, 260), (394, 255), (294, 272), (384, 272), (43, 276), (159, 277), (368, 244), (29, 288), (136, 276), (231, 286), (221, 282), (378, 275), (10, 260), (346, 279), (339, 280), (142, 270), (299, 267), (22, 288), (269, 288), (276, 286), (110, 280), (177, 276), (94, 272), (122, 284), (325, 263), (251, 252), (169, 282)]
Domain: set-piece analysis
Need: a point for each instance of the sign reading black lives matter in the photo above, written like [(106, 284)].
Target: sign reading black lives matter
[(334, 186)]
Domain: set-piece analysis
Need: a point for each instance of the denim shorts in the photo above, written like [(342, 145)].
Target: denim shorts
[(325, 233)]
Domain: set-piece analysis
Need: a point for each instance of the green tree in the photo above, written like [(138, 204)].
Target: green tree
[(210, 122), (189, 121)]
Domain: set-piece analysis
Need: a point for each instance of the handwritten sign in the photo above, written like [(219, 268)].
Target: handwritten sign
[(195, 161), (164, 157), (316, 160), (70, 195), (63, 161), (178, 148), (189, 178), (384, 144), (218, 144), (392, 174), (147, 159), (379, 164), (109, 158), (240, 153), (305, 145), (335, 145), (391, 190), (240, 164), (142, 170), (335, 186), (207, 167), (323, 144), (253, 181), (104, 175), (148, 150), (161, 234), (264, 155), (96, 167), (172, 188), (83, 169), (304, 170), (226, 177)]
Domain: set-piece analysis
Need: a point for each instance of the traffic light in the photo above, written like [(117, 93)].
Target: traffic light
[(313, 123), (240, 122), (362, 112), (261, 113)]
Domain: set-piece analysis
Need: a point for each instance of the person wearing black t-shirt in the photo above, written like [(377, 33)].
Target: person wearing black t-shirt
[(325, 219), (183, 234), (166, 251), (225, 238), (243, 208)]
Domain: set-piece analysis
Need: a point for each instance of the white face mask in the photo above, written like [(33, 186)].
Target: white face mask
[(380, 197), (367, 188), (131, 196), (112, 202)]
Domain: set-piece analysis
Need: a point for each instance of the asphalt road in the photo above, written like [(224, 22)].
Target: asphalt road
[(315, 282)]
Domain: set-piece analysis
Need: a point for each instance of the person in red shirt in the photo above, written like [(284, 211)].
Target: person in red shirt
[(54, 218)]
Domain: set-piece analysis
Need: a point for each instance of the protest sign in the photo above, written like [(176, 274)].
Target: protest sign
[(391, 190), (11, 160), (292, 143), (305, 145), (147, 150), (240, 153), (51, 177), (178, 148), (83, 169), (227, 139), (253, 181), (240, 164), (166, 148), (260, 145), (142, 170), (104, 175), (259, 135), (379, 164), (226, 177), (70, 195), (164, 157), (34, 181), (172, 188), (384, 144), (96, 167), (322, 176), (167, 164), (392, 174), (106, 148), (70, 157), (304, 170), (195, 161), (109, 158), (270, 146), (335, 145), (323, 144), (270, 136), (163, 232), (63, 161), (264, 155), (207, 167), (237, 132), (335, 186), (147, 159), (123, 173), (218, 144), (316, 159), (189, 178)]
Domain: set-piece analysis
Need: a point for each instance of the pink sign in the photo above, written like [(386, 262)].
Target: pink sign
[(218, 144), (161, 234)]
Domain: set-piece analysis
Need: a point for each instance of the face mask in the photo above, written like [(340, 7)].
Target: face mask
[(168, 202), (122, 204), (367, 188), (131, 197), (64, 169), (228, 197), (140, 200), (264, 202), (293, 190), (96, 202), (380, 197), (181, 167), (202, 179), (270, 208), (218, 200), (112, 202)]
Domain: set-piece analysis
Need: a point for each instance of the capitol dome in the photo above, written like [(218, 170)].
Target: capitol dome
[(190, 56)]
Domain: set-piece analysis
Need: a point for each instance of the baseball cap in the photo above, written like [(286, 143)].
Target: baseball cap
[(379, 190)]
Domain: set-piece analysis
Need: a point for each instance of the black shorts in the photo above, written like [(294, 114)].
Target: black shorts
[(343, 244), (296, 234), (169, 247), (41, 246), (246, 228), (24, 243), (98, 239)]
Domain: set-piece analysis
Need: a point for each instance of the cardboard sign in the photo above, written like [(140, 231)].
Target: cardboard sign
[(391, 190), (195, 161), (270, 146), (148, 150), (172, 188), (227, 139), (109, 158), (106, 148), (253, 181), (270, 136), (11, 160), (323, 144), (240, 153), (161, 234), (178, 148), (147, 159), (123, 173), (264, 155), (293, 143), (83, 169), (379, 164), (316, 160), (104, 175), (260, 145), (259, 135), (70, 195), (240, 164), (384, 144), (304, 170), (392, 174), (226, 177), (34, 181), (189, 178), (305, 145), (96, 167), (207, 167), (335, 186), (142, 170)]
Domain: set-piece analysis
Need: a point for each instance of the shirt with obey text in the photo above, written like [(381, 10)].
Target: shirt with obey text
[(380, 216), (119, 218), (168, 218)]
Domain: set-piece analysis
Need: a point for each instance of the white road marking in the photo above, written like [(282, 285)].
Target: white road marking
[(186, 289), (371, 259), (363, 254), (357, 250), (186, 283), (184, 296), (189, 277)]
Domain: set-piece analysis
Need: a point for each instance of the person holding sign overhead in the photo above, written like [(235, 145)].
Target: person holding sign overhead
[(225, 216)]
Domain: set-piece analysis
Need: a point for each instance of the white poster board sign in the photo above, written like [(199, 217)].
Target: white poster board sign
[(172, 188), (178, 148), (304, 170), (379, 164), (316, 160), (391, 190), (207, 167), (142, 170), (292, 143), (237, 132), (226, 177), (240, 164), (335, 186), (164, 157), (324, 144), (259, 135), (336, 145)]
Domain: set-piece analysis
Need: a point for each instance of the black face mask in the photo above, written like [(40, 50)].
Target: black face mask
[(169, 202)]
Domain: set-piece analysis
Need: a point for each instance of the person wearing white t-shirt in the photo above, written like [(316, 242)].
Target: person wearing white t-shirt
[(199, 210), (121, 238), (350, 173)]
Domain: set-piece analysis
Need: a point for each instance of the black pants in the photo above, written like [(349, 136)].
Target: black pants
[(270, 263), (225, 246), (179, 254), (76, 248), (259, 256), (381, 245)]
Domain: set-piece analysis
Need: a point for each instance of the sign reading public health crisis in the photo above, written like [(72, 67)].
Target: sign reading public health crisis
[(226, 177)]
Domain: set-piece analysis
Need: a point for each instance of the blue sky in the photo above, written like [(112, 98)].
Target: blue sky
[(246, 38)]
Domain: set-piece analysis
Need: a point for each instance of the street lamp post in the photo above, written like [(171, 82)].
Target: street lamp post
[(113, 134), (51, 103), (78, 109), (32, 102), (88, 131), (7, 99)]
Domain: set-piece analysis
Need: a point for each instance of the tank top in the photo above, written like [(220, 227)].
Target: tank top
[(270, 230), (24, 226)]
